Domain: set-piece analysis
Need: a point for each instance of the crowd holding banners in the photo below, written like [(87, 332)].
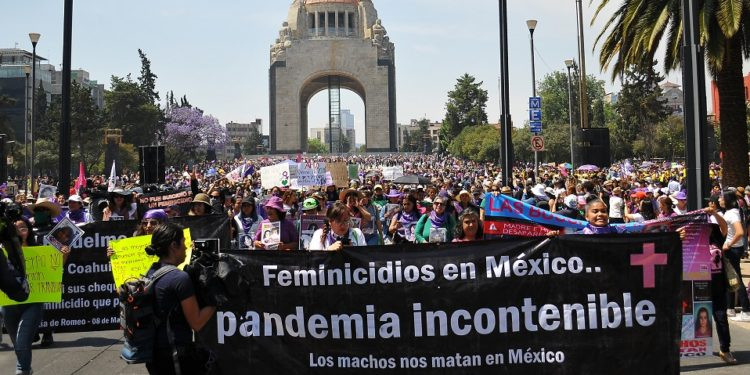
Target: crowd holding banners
[(443, 199)]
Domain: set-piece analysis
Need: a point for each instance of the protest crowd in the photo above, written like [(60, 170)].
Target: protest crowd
[(331, 203)]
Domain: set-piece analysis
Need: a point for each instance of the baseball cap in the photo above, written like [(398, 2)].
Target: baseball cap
[(309, 204)]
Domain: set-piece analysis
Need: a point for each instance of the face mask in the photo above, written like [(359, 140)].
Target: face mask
[(214, 201)]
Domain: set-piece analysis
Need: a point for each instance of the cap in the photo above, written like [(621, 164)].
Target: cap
[(309, 204), (75, 198), (378, 186), (571, 201)]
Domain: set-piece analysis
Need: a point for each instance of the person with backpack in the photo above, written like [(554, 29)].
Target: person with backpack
[(175, 306)]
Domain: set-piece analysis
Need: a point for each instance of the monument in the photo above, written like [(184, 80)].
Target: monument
[(329, 45)]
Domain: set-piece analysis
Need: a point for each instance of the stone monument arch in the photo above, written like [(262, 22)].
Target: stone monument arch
[(329, 45)]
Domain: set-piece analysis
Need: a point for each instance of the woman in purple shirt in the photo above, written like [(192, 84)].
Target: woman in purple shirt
[(289, 238)]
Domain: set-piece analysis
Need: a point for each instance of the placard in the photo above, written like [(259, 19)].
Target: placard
[(339, 173), (44, 270)]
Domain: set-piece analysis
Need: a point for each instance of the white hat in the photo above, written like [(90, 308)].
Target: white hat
[(75, 198), (538, 190), (571, 201)]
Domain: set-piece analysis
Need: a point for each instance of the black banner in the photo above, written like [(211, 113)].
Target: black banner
[(574, 304), (89, 299)]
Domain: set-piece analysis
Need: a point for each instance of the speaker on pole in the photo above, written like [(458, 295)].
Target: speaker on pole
[(593, 147), (151, 164)]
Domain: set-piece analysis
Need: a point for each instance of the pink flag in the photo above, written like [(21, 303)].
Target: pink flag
[(81, 181), (564, 171)]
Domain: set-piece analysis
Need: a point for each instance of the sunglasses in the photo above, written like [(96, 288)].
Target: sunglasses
[(151, 222), (438, 204)]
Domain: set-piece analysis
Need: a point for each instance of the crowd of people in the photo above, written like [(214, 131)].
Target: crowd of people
[(447, 206)]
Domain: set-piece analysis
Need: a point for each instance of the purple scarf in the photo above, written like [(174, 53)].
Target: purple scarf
[(438, 221), (590, 229), (408, 217)]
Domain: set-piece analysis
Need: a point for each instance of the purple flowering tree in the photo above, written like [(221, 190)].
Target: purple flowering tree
[(188, 130)]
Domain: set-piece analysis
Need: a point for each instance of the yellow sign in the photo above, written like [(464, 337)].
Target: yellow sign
[(44, 269), (130, 260)]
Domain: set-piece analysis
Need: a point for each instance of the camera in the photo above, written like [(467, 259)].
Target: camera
[(207, 245), (346, 241)]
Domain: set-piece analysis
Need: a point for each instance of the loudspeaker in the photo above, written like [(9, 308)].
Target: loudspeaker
[(112, 154), (151, 162), (593, 147)]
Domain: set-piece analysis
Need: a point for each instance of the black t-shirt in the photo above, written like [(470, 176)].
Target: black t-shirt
[(171, 289)]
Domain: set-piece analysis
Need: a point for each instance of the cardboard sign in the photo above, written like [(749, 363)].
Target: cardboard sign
[(339, 173)]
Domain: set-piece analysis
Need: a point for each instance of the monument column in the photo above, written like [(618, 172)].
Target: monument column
[(317, 22), (325, 27), (336, 23)]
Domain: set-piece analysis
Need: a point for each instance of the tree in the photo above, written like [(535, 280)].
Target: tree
[(130, 109), (187, 130), (254, 140), (6, 102), (87, 125), (465, 107), (640, 109), (147, 79), (477, 143), (629, 40), (315, 146), (553, 90)]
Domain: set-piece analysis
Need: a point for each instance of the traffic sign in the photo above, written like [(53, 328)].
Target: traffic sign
[(535, 115), (537, 143), (535, 126), (535, 102)]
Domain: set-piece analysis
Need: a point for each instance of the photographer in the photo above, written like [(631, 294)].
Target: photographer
[(337, 232)]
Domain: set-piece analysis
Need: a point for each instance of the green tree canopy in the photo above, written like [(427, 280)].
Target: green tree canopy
[(315, 146), (638, 29), (465, 107)]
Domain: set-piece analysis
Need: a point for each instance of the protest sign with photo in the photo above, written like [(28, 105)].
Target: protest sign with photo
[(47, 191), (308, 225), (270, 235), (44, 270), (575, 304), (65, 233)]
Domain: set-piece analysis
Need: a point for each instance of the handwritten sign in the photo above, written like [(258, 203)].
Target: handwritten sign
[(309, 174), (392, 173), (44, 269), (130, 260), (339, 173), (280, 175)]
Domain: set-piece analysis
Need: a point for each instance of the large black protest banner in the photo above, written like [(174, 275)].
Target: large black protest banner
[(89, 299), (574, 304)]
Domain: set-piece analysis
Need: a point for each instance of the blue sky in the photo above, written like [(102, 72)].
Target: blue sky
[(216, 52)]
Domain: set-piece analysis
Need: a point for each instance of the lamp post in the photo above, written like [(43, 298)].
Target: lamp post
[(569, 65), (532, 26), (65, 134), (27, 71), (34, 37)]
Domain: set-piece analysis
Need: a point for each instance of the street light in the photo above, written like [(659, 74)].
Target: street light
[(27, 72), (532, 26), (569, 64), (34, 37)]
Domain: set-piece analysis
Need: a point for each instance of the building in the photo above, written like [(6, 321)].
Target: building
[(433, 131), (347, 119), (331, 45), (238, 134), (81, 77), (14, 65), (715, 97), (611, 98), (672, 95)]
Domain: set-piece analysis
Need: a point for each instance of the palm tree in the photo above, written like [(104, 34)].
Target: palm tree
[(638, 27)]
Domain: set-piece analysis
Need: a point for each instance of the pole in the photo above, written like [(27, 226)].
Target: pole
[(533, 93), (694, 83), (583, 96), (570, 114), (506, 143), (33, 116), (26, 135), (64, 185)]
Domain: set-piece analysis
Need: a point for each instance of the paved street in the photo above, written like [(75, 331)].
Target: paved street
[(98, 353)]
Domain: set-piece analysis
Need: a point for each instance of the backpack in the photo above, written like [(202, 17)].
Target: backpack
[(138, 318)]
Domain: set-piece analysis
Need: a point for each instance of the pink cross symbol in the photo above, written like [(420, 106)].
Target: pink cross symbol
[(648, 260)]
